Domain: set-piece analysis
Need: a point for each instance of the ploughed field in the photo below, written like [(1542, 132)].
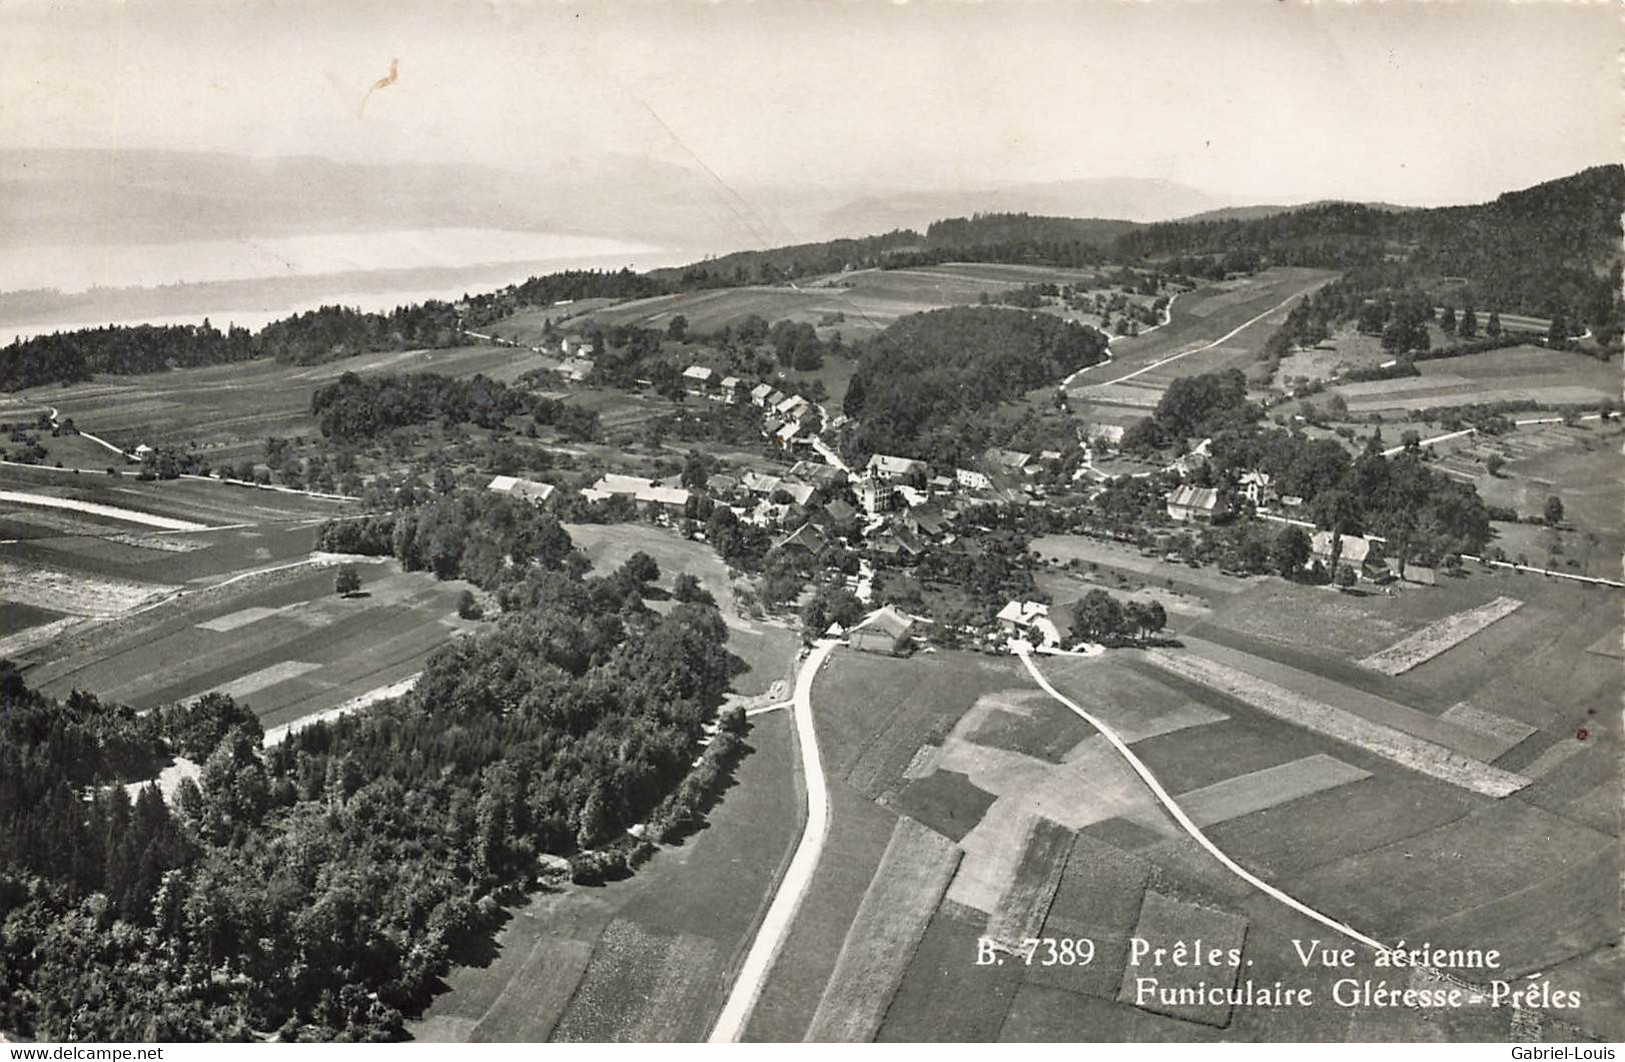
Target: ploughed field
[(147, 593), (1434, 766)]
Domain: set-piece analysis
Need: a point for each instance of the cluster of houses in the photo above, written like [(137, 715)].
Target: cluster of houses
[(786, 419)]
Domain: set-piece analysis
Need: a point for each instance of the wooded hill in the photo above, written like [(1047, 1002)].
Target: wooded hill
[(1546, 250)]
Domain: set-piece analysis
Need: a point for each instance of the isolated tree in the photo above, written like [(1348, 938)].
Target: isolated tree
[(677, 328), (468, 606), (1447, 320), (1492, 327), (1557, 333), (1494, 463), (642, 567), (1467, 326), (1554, 511), (1291, 552), (1346, 577), (347, 580), (686, 588)]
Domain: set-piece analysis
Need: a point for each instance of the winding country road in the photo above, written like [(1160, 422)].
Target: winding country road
[(1185, 821), (775, 927)]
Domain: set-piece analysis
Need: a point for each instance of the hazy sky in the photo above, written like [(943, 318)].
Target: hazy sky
[(1413, 103)]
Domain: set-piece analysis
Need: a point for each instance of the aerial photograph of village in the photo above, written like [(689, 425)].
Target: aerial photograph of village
[(823, 522)]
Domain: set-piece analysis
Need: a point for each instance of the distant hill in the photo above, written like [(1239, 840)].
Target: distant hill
[(74, 196), (1253, 213), (1123, 198)]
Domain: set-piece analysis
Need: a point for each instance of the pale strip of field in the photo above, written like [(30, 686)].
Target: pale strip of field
[(1384, 388), (16, 644), (255, 681), (241, 618), (76, 592), (278, 734), (1473, 744), (1554, 757), (1430, 759), (1268, 788), (112, 512), (1138, 727), (161, 543), (1125, 395), (1026, 902), (1554, 395), (1439, 636), (1508, 732), (884, 934)]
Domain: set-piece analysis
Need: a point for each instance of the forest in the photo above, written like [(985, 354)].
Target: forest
[(924, 382), (318, 889), (1534, 251)]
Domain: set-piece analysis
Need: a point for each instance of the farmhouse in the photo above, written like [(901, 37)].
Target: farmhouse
[(793, 408), (646, 494), (806, 541), (898, 469), (1356, 549), (818, 474), (1110, 434), (1019, 618), (575, 369), (1255, 487), (970, 479), (142, 452), (697, 380), (887, 631), (1009, 461), (800, 493), (1188, 504), (759, 393), (786, 435), (756, 483), (514, 487), (733, 390)]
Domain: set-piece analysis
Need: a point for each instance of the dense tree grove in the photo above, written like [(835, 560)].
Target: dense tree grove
[(1194, 407), (319, 888), (1425, 516), (358, 408), (926, 380)]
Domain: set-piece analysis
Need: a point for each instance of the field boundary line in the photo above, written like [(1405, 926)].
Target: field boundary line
[(797, 880), (1187, 824)]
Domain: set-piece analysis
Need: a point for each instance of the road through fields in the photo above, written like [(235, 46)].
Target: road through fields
[(775, 927)]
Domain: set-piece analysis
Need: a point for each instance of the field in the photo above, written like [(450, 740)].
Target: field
[(889, 924), (1451, 802), (649, 956), (865, 300), (1549, 377)]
